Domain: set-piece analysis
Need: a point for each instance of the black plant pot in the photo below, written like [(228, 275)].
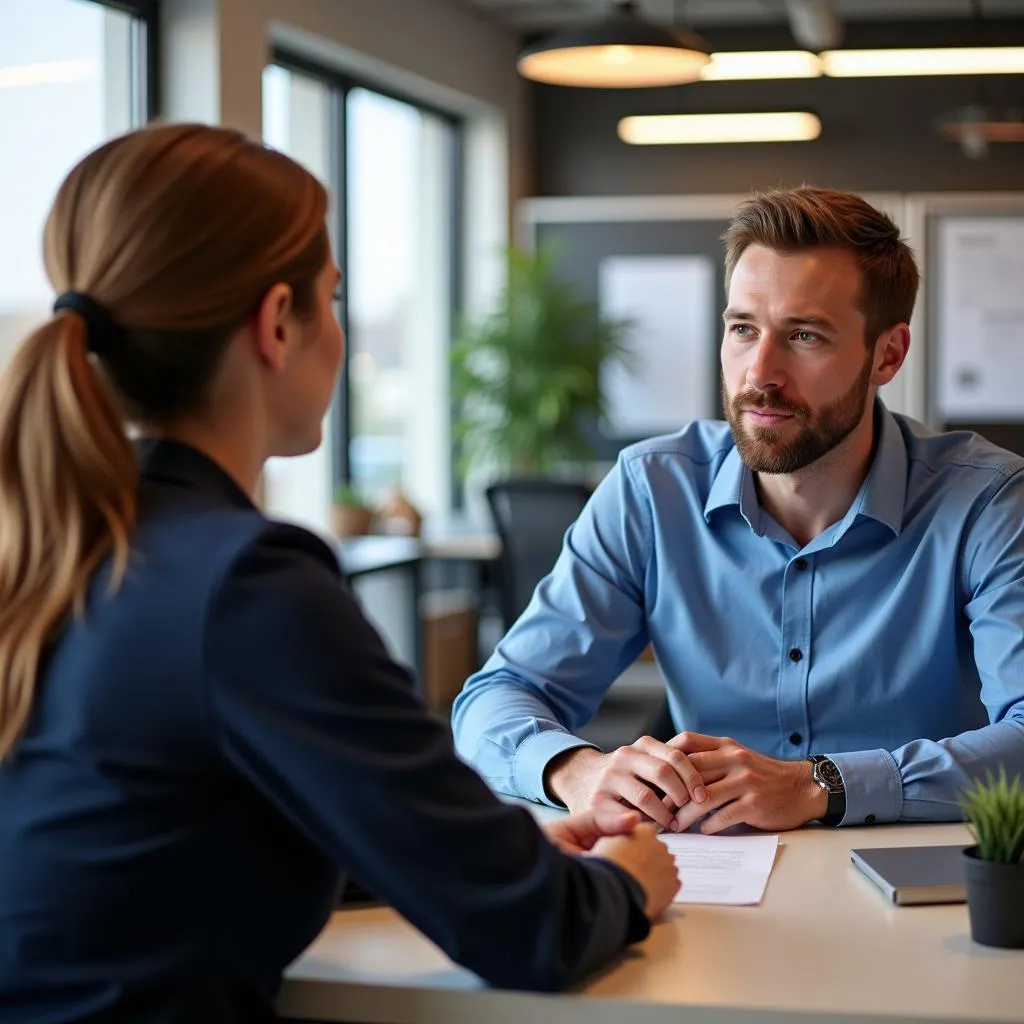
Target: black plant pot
[(995, 901)]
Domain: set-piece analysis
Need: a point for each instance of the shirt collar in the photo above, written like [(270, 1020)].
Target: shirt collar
[(164, 460), (881, 496), (734, 485)]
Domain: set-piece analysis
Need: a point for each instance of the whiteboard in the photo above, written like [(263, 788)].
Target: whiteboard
[(980, 336), (671, 301)]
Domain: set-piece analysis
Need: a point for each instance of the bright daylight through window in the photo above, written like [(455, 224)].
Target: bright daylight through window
[(71, 76), (388, 426)]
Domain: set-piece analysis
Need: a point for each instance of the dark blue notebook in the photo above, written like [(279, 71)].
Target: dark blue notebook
[(915, 874)]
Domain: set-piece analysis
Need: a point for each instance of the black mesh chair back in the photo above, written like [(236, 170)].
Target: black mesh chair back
[(531, 517), (661, 727)]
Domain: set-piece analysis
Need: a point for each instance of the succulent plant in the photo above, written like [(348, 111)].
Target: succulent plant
[(995, 813)]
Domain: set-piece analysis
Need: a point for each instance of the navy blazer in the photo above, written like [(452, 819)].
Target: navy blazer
[(211, 746)]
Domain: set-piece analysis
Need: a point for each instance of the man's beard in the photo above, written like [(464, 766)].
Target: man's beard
[(762, 448)]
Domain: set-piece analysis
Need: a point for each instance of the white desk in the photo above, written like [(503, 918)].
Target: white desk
[(823, 946)]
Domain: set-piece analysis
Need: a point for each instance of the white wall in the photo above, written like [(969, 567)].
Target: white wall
[(434, 50)]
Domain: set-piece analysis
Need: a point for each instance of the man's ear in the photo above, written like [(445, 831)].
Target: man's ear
[(272, 327), (890, 352)]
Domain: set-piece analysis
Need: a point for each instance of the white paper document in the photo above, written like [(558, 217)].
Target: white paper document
[(722, 869)]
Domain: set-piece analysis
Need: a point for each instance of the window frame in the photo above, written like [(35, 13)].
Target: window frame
[(341, 84), (145, 53)]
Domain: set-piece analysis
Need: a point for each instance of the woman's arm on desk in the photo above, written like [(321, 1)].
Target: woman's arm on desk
[(315, 714)]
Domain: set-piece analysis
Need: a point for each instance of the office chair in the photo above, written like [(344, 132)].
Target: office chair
[(661, 727), (531, 517)]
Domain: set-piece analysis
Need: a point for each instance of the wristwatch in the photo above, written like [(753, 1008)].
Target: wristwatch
[(827, 775)]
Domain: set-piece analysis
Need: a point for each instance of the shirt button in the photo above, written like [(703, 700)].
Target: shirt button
[(796, 739), (800, 564), (870, 820), (795, 654)]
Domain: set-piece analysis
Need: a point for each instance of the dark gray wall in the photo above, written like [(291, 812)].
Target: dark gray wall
[(877, 134)]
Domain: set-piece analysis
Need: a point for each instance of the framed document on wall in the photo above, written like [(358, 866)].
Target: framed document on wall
[(979, 336), (670, 302)]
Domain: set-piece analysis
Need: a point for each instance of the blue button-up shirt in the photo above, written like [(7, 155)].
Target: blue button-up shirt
[(893, 641)]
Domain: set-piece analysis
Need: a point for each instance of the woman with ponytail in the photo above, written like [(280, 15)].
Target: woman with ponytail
[(200, 734)]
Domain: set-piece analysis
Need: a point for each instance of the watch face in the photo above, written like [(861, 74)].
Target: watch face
[(829, 774)]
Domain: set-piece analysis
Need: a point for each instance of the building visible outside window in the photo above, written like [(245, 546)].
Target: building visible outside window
[(72, 74)]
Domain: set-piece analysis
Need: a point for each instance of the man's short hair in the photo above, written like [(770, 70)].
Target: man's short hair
[(790, 220)]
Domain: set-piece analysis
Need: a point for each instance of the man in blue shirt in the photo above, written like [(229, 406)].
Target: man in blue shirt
[(835, 594)]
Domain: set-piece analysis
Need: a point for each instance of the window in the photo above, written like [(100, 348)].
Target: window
[(395, 167), (72, 74), (400, 226)]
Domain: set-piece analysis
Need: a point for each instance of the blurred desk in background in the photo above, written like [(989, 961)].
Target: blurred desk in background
[(457, 541), (386, 577), (424, 596)]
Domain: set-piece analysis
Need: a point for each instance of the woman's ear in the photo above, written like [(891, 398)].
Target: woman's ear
[(272, 324)]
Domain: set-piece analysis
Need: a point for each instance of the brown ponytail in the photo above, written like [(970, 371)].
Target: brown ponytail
[(177, 231)]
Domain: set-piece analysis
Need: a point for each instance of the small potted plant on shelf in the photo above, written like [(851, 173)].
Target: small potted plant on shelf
[(994, 866), (351, 515)]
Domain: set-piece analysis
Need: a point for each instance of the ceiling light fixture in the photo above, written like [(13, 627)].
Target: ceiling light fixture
[(976, 126), (964, 60), (622, 51), (739, 65), (678, 129)]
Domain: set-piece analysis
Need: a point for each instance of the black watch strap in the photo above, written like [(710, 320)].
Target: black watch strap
[(835, 810)]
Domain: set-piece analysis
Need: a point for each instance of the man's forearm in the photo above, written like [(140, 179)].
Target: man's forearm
[(509, 734), (935, 774), (922, 780)]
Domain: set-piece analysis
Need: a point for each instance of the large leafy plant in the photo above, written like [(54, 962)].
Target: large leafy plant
[(527, 378), (995, 812)]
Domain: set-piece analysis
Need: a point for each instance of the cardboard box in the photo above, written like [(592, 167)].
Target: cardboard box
[(448, 619)]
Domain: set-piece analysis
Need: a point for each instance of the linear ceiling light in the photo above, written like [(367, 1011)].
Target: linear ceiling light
[(51, 72), (622, 51), (760, 64), (675, 129), (986, 60)]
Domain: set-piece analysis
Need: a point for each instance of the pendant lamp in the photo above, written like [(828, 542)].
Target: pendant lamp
[(621, 51)]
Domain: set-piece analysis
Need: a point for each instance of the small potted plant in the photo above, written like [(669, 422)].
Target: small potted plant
[(994, 866), (351, 516)]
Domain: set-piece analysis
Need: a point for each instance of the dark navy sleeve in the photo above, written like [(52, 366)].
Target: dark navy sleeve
[(310, 709)]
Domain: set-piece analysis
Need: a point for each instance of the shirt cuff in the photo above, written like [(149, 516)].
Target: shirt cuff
[(874, 789), (533, 756)]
